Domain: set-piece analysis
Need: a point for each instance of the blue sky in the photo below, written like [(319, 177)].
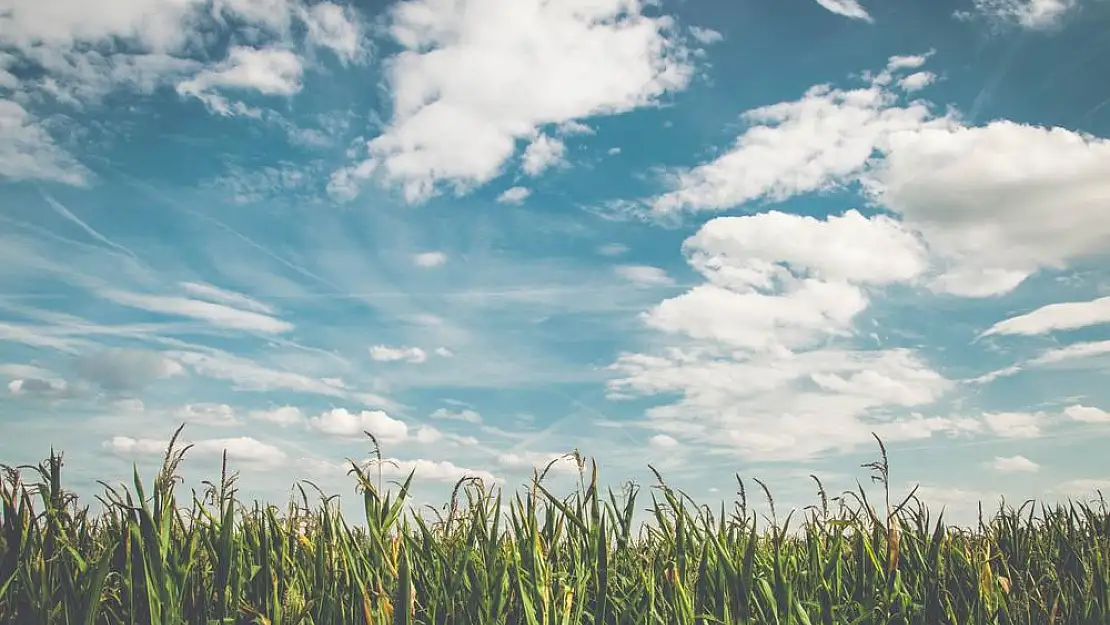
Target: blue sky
[(715, 237)]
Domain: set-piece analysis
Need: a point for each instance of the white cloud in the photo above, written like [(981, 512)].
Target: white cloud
[(1016, 424), (383, 353), (1028, 14), (1086, 414), (644, 275), (1072, 352), (127, 446), (475, 76), (988, 212), (248, 375), (776, 279), (38, 387), (788, 406), (1082, 487), (760, 251), (268, 71), (28, 152), (560, 463), (543, 153), (987, 199), (917, 81), (1055, 317), (1055, 356), (86, 51), (431, 470), (429, 259), (122, 369), (283, 415), (216, 314), (466, 414), (427, 434), (662, 441), (242, 449), (25, 371), (444, 352), (612, 249), (753, 368), (1014, 464), (215, 415), (335, 27), (705, 36), (825, 138), (847, 8), (514, 195), (223, 296), (341, 422), (153, 24)]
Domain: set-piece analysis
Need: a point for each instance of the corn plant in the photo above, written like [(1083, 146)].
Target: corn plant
[(153, 556)]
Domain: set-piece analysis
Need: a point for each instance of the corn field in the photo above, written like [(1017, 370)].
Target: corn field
[(151, 558)]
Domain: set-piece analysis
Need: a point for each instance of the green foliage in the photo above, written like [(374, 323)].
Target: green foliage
[(547, 560)]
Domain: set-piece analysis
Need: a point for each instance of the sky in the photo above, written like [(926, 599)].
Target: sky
[(715, 238)]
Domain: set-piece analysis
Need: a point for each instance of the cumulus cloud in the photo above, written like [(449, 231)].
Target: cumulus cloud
[(1086, 414), (38, 387), (662, 441), (283, 415), (752, 365), (209, 414), (337, 28), (475, 77), (241, 449), (543, 153), (987, 212), (78, 53), (465, 414), (384, 353), (429, 259), (153, 24), (29, 152), (1014, 464), (916, 81), (1016, 424), (847, 8), (781, 280), (644, 275), (706, 36), (341, 422), (514, 195), (559, 463), (269, 72), (423, 470), (435, 471), (826, 137), (128, 370)]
